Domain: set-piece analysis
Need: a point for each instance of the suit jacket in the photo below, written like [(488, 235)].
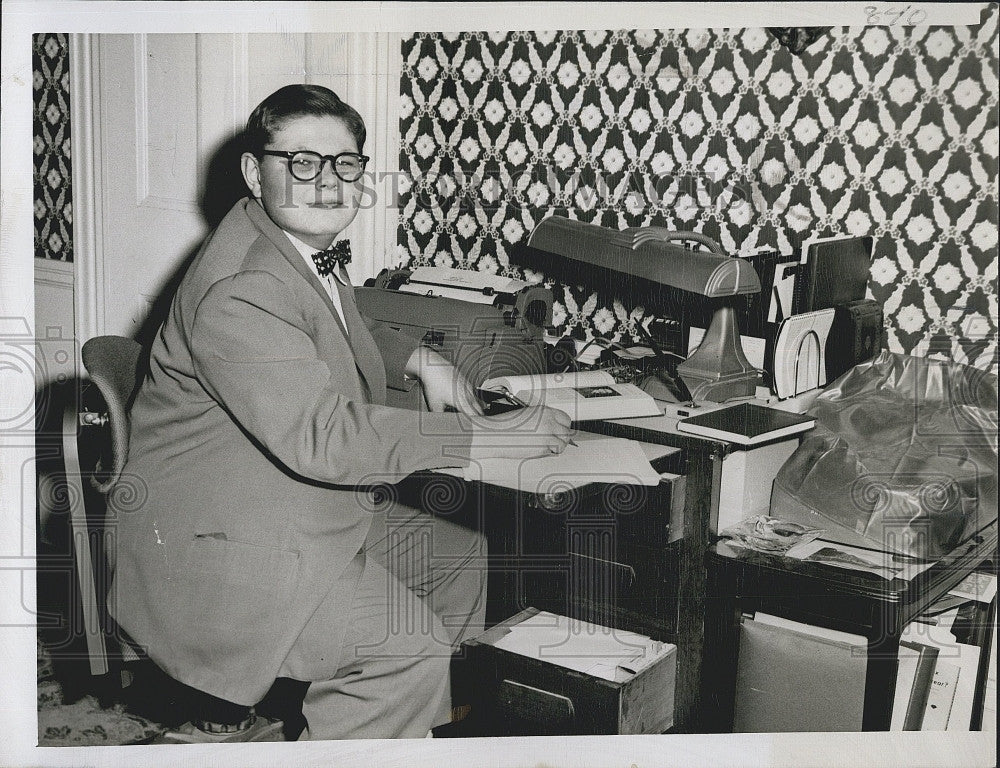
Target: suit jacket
[(255, 437)]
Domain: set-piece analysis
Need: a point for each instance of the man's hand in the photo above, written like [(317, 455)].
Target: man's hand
[(524, 434), (444, 386)]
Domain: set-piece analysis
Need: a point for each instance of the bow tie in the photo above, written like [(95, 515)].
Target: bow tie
[(327, 261)]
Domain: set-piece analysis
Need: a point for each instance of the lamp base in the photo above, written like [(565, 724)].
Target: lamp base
[(718, 370)]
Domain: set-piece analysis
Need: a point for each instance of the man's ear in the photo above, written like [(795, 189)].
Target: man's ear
[(250, 166)]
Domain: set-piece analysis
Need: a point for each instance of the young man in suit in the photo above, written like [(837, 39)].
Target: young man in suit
[(259, 552)]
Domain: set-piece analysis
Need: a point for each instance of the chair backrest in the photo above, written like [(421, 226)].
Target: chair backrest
[(112, 363)]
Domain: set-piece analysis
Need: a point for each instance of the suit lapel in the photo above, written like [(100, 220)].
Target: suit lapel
[(285, 247), (369, 366), (366, 354)]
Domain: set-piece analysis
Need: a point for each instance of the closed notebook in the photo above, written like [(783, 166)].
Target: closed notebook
[(746, 424)]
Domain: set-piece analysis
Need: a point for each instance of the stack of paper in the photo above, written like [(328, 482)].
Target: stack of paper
[(885, 564), (610, 654), (601, 460)]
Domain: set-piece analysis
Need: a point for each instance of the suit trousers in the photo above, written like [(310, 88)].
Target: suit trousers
[(419, 590)]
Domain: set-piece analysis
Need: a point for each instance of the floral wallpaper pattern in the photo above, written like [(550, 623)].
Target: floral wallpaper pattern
[(882, 131), (53, 174)]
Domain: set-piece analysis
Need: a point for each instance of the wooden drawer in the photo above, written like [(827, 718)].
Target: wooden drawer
[(520, 695)]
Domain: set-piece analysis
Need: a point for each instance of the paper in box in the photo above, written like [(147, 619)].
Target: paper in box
[(545, 674)]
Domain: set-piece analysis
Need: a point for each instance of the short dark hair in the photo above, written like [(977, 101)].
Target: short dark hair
[(295, 101)]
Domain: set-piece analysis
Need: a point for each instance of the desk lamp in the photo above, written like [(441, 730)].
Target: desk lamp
[(642, 263)]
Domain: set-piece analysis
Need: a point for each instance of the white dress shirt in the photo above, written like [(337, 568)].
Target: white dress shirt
[(307, 251)]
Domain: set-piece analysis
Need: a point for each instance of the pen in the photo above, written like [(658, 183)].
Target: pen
[(518, 401)]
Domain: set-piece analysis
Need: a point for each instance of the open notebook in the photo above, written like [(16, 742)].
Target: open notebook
[(583, 396)]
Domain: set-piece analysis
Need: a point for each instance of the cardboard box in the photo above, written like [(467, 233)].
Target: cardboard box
[(543, 674)]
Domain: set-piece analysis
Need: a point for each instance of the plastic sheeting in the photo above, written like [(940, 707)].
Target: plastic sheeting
[(903, 457)]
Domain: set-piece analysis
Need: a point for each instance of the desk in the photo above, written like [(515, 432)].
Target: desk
[(623, 556), (742, 582)]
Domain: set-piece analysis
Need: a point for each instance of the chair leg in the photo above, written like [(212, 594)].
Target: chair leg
[(92, 627)]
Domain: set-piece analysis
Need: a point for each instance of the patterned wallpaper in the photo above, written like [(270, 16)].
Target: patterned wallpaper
[(53, 175), (889, 132)]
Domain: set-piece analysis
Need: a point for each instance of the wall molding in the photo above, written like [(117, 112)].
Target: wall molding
[(140, 72), (388, 69), (88, 237), (374, 64), (58, 274)]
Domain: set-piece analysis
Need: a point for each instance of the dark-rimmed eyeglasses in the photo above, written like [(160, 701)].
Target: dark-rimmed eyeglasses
[(306, 165)]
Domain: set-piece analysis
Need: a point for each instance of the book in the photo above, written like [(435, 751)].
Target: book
[(746, 424), (583, 396)]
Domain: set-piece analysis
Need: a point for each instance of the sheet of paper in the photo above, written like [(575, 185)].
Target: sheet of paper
[(602, 460), (782, 292), (966, 657), (583, 396), (884, 564), (981, 587), (607, 653), (455, 284), (473, 297)]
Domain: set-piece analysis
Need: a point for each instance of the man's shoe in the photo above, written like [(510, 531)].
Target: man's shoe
[(261, 729)]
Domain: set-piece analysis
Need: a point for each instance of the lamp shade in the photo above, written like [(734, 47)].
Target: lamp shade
[(629, 254)]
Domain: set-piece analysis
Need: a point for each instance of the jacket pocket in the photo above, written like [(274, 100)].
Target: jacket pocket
[(232, 601)]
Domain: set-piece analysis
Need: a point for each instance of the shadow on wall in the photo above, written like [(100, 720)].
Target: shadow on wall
[(223, 187)]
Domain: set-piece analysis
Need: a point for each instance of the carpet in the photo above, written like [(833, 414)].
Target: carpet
[(67, 720)]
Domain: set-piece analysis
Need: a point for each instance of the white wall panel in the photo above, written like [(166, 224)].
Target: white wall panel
[(166, 121), (55, 333), (273, 60)]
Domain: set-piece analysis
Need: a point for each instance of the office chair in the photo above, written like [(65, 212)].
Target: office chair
[(113, 364)]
